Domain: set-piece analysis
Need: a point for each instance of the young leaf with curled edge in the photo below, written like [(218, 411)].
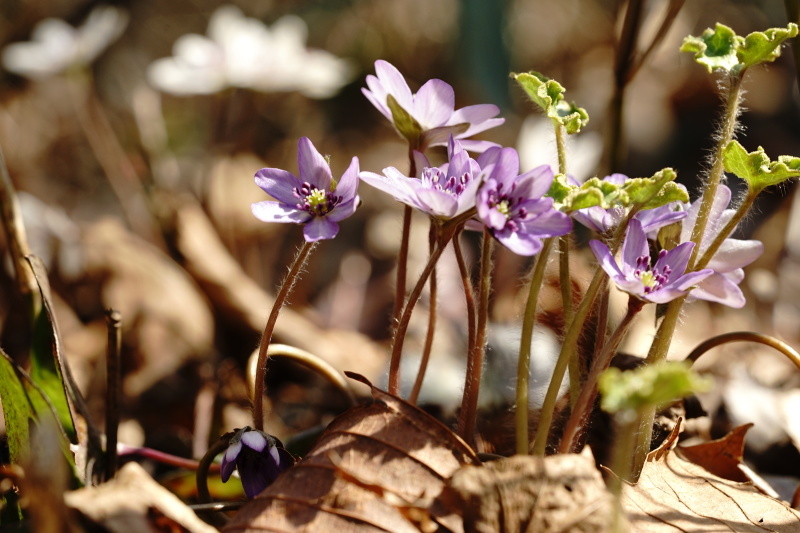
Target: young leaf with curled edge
[(755, 167), (648, 385), (549, 95), (720, 48)]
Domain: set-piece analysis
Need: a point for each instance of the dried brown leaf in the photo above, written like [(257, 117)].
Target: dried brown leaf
[(559, 493), (132, 502), (373, 465), (675, 494), (721, 457)]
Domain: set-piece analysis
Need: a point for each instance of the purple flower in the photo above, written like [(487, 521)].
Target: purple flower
[(313, 199), (511, 205), (431, 110), (732, 255), (443, 192), (602, 220), (258, 457), (661, 283)]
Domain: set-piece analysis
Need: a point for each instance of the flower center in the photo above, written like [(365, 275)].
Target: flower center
[(315, 201), (504, 208), (434, 178), (652, 279)]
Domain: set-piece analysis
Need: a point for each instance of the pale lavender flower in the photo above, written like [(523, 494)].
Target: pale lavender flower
[(443, 192), (55, 46), (258, 457), (432, 109), (732, 255), (314, 199), (603, 220), (512, 206), (660, 283)]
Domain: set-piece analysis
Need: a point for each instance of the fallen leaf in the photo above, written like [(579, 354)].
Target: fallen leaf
[(132, 502), (721, 457), (675, 494), (370, 466)]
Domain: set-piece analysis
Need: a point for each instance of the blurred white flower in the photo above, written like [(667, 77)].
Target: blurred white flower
[(242, 52), (55, 46)]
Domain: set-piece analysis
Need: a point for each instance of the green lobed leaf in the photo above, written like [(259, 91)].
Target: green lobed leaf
[(756, 168), (648, 386), (549, 96), (764, 46), (560, 190), (645, 191), (406, 125), (714, 49), (720, 48)]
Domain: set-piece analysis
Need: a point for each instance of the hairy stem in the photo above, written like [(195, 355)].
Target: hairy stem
[(472, 384), (280, 299), (728, 229), (583, 407), (426, 350), (524, 363), (466, 282), (445, 235), (402, 254)]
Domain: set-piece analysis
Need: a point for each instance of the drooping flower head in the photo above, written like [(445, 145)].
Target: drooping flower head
[(314, 199), (240, 51), (428, 118), (55, 46), (442, 192), (257, 456), (512, 206), (727, 262), (659, 283), (603, 220)]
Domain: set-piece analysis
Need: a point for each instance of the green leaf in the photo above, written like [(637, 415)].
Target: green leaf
[(594, 192), (549, 96), (714, 49), (24, 405), (404, 123), (560, 190), (46, 356), (764, 47), (756, 168), (648, 386), (722, 49), (646, 192)]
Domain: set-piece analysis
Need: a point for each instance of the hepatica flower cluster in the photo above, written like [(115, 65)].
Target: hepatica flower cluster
[(644, 229)]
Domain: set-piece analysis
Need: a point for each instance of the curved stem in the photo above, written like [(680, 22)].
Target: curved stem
[(446, 233), (201, 475), (583, 407), (263, 347), (524, 362), (472, 382), (307, 359), (426, 350), (745, 336)]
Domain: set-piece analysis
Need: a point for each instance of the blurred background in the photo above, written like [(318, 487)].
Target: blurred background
[(136, 190)]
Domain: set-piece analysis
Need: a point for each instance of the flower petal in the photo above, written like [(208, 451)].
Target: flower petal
[(721, 289), (433, 104), (348, 183), (277, 212), (313, 167), (735, 253), (254, 440), (279, 184), (394, 83), (320, 228), (606, 260), (635, 245)]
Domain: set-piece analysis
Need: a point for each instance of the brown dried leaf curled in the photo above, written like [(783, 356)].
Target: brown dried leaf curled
[(370, 466)]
